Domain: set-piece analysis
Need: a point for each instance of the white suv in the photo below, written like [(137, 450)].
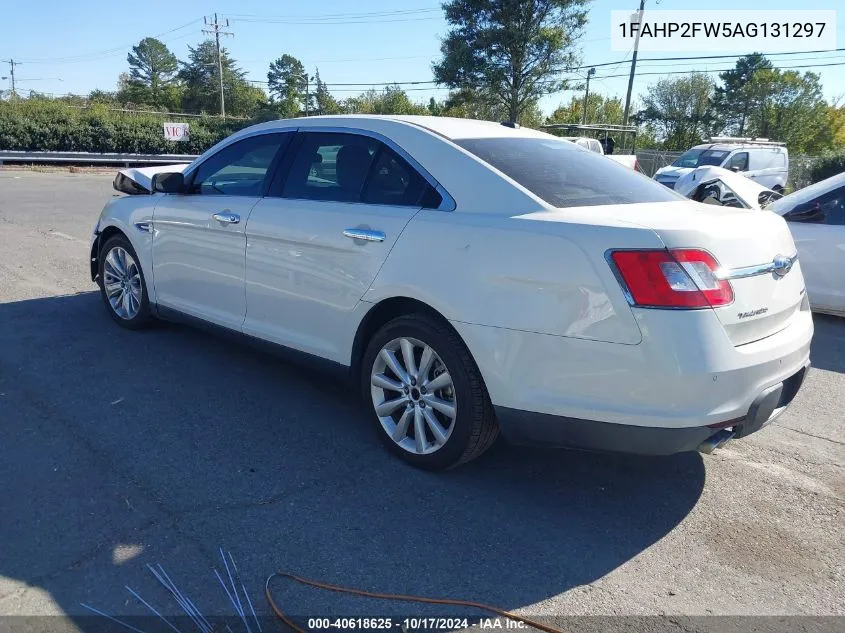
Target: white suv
[(765, 162)]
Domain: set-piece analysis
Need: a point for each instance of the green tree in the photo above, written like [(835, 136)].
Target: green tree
[(680, 110), (600, 109), (434, 107), (471, 103), (201, 83), (324, 102), (287, 82), (152, 70), (390, 100), (736, 98), (788, 106), (512, 50)]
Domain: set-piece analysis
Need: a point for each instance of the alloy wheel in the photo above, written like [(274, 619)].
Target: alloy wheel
[(122, 283), (413, 395)]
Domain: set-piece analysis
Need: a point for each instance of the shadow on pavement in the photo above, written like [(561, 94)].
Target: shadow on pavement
[(828, 348), (122, 448)]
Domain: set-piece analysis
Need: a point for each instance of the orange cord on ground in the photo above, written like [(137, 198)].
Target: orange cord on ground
[(390, 596)]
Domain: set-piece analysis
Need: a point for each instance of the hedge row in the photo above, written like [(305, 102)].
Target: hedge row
[(827, 165), (29, 125)]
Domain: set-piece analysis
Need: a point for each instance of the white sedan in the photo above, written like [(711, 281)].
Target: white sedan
[(815, 215), (472, 278)]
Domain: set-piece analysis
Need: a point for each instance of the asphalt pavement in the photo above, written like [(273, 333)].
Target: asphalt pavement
[(119, 449)]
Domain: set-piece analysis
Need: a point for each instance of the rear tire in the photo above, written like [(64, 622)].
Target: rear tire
[(436, 414), (123, 287)]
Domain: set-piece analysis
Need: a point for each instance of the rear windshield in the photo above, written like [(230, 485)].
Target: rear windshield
[(565, 175), (700, 157)]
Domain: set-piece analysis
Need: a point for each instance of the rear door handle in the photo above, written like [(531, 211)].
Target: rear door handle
[(366, 235), (227, 218)]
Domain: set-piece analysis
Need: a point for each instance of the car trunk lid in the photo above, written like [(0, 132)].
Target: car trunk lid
[(746, 244)]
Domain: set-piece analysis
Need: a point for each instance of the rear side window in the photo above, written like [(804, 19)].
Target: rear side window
[(337, 167), (330, 167), (393, 181), (565, 176)]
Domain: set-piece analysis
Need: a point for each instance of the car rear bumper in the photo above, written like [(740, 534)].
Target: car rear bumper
[(542, 429), (685, 373)]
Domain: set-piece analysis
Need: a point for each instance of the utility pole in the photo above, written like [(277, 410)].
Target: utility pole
[(12, 63), (590, 73), (634, 62), (216, 28), (307, 91)]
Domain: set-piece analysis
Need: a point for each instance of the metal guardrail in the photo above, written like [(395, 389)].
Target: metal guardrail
[(92, 158)]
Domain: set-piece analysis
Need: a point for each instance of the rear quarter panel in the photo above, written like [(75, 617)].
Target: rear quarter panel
[(541, 272)]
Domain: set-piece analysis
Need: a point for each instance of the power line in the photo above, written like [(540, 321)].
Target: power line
[(338, 16), (722, 70), (329, 23), (694, 57), (95, 55)]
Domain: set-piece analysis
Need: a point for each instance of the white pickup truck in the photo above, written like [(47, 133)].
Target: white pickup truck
[(628, 160)]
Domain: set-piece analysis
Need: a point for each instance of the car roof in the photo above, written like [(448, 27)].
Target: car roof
[(449, 127)]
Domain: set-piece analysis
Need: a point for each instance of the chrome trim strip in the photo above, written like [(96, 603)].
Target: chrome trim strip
[(146, 227), (753, 271)]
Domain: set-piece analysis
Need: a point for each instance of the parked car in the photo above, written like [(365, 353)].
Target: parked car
[(815, 215), (471, 278), (717, 185), (765, 162), (594, 145)]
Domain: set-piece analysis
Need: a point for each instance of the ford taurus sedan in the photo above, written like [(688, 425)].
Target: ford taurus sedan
[(473, 278)]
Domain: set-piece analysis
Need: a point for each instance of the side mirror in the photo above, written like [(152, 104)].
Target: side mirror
[(169, 182), (808, 212), (735, 169)]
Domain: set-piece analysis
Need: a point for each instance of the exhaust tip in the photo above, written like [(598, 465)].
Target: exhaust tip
[(717, 440)]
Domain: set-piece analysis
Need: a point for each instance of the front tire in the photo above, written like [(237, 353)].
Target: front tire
[(122, 284), (426, 394)]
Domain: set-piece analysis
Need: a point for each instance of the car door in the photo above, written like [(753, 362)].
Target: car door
[(317, 241), (199, 241), (818, 228)]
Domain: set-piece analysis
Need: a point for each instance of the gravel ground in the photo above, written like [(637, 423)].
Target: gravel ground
[(119, 448)]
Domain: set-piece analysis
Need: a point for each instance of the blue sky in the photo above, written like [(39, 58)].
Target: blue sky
[(85, 43)]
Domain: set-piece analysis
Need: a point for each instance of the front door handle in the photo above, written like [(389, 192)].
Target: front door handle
[(366, 235), (227, 218)]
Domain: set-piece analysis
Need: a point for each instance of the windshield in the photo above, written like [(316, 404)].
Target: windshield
[(699, 157), (565, 176)]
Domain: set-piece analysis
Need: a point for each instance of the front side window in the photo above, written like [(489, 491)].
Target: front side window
[(739, 161), (238, 169), (565, 176)]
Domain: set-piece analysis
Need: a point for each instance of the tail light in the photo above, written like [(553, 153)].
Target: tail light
[(679, 278)]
